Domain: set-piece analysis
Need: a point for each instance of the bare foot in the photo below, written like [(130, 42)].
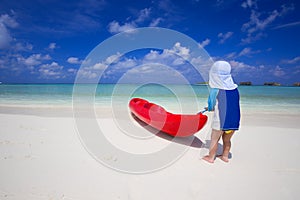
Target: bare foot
[(224, 158), (208, 159)]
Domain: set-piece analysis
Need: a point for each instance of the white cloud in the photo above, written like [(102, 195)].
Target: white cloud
[(292, 61), (177, 55), (16, 62), (143, 15), (144, 69), (251, 38), (256, 24), (248, 52), (296, 70), (178, 61), (245, 70), (112, 58), (33, 60), (72, 70), (259, 22), (278, 71), (155, 22), (224, 36), (88, 74), (99, 66), (286, 9), (104, 64), (288, 25), (118, 67), (231, 55), (115, 27), (218, 2), (152, 55), (23, 47), (74, 60), (204, 43), (52, 46), (249, 4), (236, 65), (260, 73), (125, 64), (5, 37), (121, 67), (91, 71), (2, 64), (51, 71), (184, 52), (154, 65), (153, 72), (6, 22)]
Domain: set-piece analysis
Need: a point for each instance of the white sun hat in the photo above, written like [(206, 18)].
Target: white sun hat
[(220, 77)]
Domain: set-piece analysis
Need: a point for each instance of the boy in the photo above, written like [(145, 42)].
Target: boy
[(224, 101)]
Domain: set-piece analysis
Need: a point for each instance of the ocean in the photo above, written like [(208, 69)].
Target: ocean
[(174, 98)]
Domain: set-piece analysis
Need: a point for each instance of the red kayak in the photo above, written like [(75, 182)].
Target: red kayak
[(176, 125)]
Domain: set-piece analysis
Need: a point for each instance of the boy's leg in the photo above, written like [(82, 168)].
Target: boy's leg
[(226, 137), (215, 137)]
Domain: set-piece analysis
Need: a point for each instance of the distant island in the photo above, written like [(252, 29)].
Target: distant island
[(202, 83), (297, 84), (272, 84), (249, 83), (246, 83)]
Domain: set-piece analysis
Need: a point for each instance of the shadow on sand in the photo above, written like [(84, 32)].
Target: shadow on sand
[(191, 141), (220, 148), (188, 141)]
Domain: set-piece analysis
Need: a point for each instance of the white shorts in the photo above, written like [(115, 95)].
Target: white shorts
[(216, 119)]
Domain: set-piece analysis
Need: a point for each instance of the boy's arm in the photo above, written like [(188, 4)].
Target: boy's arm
[(212, 99)]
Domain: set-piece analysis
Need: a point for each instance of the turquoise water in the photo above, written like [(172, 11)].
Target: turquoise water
[(253, 98)]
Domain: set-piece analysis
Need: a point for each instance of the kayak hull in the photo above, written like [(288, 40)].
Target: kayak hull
[(176, 125)]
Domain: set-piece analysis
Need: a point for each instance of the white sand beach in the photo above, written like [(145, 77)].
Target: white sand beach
[(42, 157)]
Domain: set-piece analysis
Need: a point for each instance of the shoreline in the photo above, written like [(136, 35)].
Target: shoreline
[(252, 117), (58, 110), (192, 84)]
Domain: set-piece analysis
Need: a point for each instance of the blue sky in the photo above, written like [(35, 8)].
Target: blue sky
[(46, 41)]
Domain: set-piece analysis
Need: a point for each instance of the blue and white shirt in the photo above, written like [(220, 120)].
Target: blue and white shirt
[(228, 107)]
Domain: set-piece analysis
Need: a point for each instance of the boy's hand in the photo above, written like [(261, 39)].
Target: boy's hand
[(206, 108)]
